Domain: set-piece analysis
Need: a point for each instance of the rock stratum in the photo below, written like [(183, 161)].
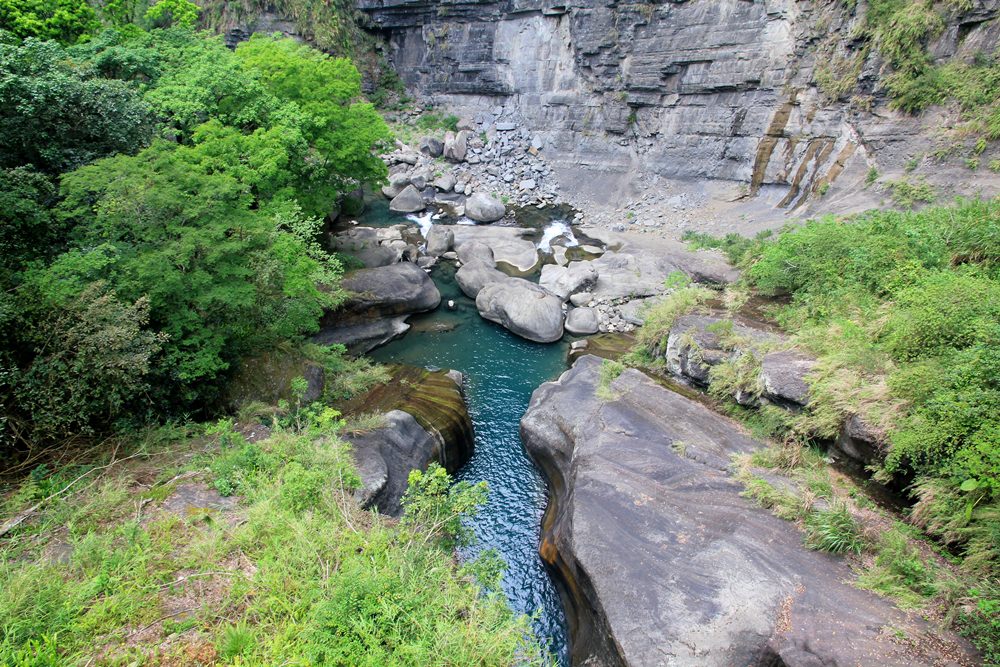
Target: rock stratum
[(690, 89), (664, 563)]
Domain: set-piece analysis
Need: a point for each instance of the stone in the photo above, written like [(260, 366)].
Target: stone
[(581, 321), (581, 299), (475, 250), (456, 146), (481, 207), (523, 308), (466, 123), (693, 347), (379, 301), (537, 143), (476, 274), (408, 201), (663, 560), (445, 182), (565, 281), (431, 147), (527, 184), (397, 183), (506, 126), (783, 377), (511, 246), (421, 177), (440, 240)]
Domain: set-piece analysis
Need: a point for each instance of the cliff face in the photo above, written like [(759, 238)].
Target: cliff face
[(697, 89)]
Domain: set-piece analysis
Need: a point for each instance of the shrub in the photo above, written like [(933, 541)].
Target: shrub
[(899, 571), (834, 530)]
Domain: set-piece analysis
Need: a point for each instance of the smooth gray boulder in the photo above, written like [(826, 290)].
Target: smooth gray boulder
[(473, 276), (511, 246), (379, 302), (665, 563), (421, 177), (481, 207), (440, 240), (582, 321), (783, 377), (565, 281), (472, 250), (408, 201), (523, 308)]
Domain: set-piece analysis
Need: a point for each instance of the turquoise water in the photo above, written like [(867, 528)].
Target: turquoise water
[(501, 372)]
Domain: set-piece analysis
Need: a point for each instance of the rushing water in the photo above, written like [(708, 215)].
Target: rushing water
[(501, 372)]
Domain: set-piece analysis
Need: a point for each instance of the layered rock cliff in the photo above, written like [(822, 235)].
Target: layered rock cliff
[(697, 90)]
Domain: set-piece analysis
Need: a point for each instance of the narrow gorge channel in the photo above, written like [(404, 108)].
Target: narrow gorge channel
[(501, 371)]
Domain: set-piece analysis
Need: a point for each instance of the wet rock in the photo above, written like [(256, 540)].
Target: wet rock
[(476, 274), (481, 207), (522, 308), (408, 201), (582, 321), (664, 561)]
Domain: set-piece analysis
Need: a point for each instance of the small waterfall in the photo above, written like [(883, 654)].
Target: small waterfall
[(555, 230), (423, 220)]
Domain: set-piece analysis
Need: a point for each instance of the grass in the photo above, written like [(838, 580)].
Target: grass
[(610, 370), (297, 575), (834, 530)]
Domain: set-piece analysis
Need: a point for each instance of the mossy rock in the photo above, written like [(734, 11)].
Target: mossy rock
[(267, 378), (433, 398)]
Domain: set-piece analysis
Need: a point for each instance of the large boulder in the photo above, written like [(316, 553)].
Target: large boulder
[(408, 201), (664, 561), (511, 246), (440, 240), (473, 276), (522, 308), (696, 344), (582, 321), (445, 182), (431, 147), (397, 183), (565, 281), (456, 146), (481, 207), (380, 300), (471, 250)]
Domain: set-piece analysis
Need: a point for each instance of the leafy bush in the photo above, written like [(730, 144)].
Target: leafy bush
[(64, 21)]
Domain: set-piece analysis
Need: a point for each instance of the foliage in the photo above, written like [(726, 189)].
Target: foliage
[(65, 21), (907, 195), (180, 13), (902, 309), (834, 530), (735, 246), (433, 121), (899, 571), (27, 230), (288, 582), (661, 317), (610, 370), (434, 507), (56, 116)]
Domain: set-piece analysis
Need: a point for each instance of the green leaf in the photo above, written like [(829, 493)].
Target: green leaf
[(969, 485)]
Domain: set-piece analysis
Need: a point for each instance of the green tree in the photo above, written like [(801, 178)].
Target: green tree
[(56, 117), (65, 21), (179, 13)]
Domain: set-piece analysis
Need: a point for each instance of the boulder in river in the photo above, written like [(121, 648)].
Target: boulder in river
[(511, 246), (565, 281), (473, 276), (440, 240), (397, 183), (522, 308), (665, 563), (408, 201), (472, 250), (380, 300), (482, 207)]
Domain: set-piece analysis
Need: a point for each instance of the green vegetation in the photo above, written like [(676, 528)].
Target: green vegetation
[(294, 573), (834, 530), (902, 310), (66, 21), (164, 196), (610, 370)]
